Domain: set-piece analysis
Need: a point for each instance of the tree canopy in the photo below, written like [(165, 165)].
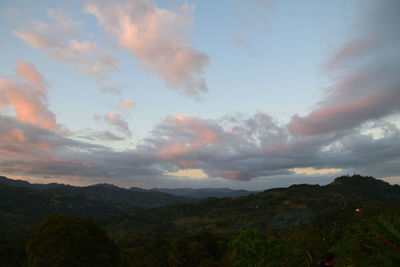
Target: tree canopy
[(71, 241)]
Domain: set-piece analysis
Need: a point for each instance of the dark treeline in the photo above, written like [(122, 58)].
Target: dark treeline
[(356, 218)]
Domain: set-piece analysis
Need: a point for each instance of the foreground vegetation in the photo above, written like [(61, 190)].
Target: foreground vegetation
[(355, 217)]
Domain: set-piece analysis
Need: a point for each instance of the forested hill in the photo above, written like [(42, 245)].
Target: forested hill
[(102, 193), (23, 204), (355, 217), (277, 208)]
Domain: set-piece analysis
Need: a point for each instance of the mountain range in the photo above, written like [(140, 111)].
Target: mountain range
[(23, 204)]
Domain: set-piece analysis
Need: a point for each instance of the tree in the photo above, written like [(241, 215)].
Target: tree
[(71, 241), (253, 248), (372, 241)]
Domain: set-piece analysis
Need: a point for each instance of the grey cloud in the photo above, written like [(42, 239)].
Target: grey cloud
[(242, 149), (99, 135), (366, 84), (117, 121), (107, 135), (258, 147), (68, 157)]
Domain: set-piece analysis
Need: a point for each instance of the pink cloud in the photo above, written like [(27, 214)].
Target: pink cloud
[(127, 104), (233, 175), (365, 85), (341, 115), (30, 74), (14, 141), (29, 100), (59, 40), (370, 93), (51, 166), (197, 125), (346, 53), (27, 148), (196, 132), (158, 38)]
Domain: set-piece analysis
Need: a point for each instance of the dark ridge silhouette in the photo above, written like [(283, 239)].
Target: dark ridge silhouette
[(202, 193)]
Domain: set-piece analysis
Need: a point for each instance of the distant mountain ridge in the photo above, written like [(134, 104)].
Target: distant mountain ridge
[(203, 193), (23, 203), (196, 193), (136, 199)]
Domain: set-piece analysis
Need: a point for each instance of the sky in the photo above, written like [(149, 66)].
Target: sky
[(245, 94)]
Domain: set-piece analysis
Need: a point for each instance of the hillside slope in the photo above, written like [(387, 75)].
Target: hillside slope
[(23, 204), (278, 208)]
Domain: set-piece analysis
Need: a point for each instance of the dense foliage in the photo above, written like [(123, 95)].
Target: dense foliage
[(254, 248), (23, 204), (357, 218), (71, 241)]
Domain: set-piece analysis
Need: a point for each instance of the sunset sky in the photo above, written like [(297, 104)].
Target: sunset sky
[(246, 94)]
